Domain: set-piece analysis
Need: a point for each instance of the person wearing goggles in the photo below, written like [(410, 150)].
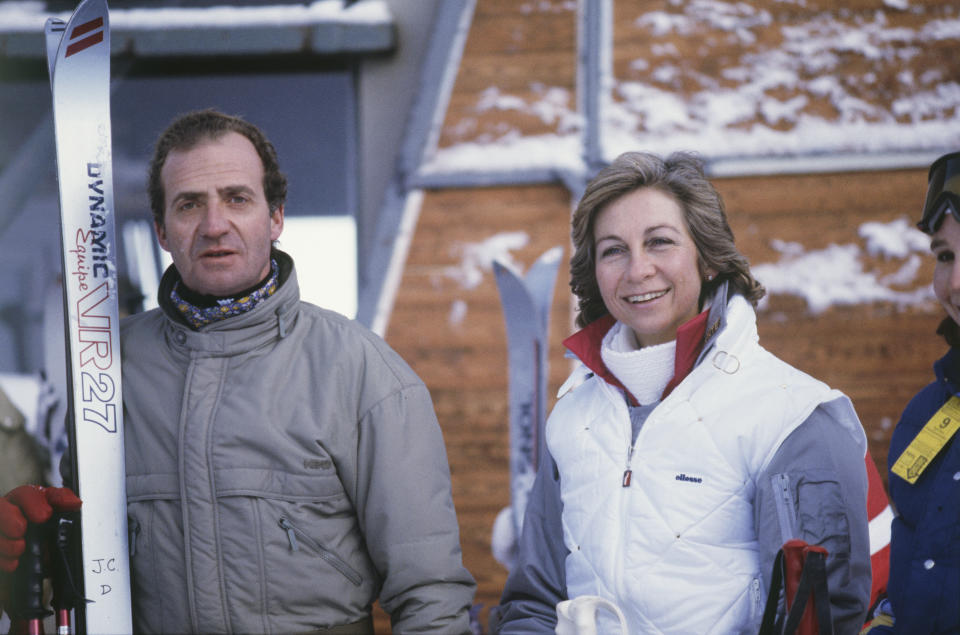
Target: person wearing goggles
[(924, 458), (943, 192)]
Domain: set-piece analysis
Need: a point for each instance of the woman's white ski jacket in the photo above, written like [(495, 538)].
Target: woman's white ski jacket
[(668, 525)]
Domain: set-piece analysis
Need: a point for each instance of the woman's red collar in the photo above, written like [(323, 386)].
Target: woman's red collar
[(586, 344)]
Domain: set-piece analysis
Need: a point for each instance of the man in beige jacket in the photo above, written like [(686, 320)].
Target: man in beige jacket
[(285, 468)]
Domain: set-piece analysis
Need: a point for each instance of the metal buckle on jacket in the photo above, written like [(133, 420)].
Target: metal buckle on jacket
[(726, 362)]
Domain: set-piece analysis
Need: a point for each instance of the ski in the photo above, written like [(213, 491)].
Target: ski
[(78, 58), (526, 310)]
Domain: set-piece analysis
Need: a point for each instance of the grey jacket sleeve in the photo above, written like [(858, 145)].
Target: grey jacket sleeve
[(537, 581), (815, 489), (405, 508)]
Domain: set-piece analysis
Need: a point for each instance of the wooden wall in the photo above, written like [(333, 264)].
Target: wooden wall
[(464, 363)]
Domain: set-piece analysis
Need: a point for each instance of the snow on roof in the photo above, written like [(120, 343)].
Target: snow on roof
[(732, 80), (323, 26), (478, 257), (31, 15), (320, 27), (836, 275)]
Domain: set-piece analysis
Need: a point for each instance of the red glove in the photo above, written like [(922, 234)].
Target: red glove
[(28, 503)]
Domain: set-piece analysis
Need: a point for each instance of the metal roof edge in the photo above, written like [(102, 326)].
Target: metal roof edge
[(720, 167), (321, 28), (465, 178), (442, 60), (715, 167)]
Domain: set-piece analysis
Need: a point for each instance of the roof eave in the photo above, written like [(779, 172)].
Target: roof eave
[(233, 31)]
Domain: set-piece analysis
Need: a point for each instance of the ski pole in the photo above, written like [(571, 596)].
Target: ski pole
[(65, 594), (27, 593)]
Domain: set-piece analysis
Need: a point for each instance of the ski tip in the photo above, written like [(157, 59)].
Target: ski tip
[(53, 30), (86, 30), (54, 25)]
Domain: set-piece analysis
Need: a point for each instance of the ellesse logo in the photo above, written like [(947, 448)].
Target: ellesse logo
[(91, 33)]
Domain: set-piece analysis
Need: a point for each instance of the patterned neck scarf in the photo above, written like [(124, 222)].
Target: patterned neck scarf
[(198, 316)]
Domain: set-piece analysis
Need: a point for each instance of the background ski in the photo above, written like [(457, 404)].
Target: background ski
[(526, 310), (79, 63)]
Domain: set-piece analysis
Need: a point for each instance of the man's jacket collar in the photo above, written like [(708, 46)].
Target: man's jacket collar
[(272, 318)]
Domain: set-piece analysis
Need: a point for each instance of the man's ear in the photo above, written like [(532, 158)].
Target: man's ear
[(161, 235), (276, 223)]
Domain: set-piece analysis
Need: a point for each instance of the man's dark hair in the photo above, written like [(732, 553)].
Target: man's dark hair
[(188, 130)]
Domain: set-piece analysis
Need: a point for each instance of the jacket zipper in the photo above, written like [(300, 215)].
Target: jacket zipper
[(784, 504), (622, 537), (758, 604), (628, 472), (133, 532), (332, 559)]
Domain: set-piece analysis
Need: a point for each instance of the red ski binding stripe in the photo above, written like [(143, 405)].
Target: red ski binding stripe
[(87, 42)]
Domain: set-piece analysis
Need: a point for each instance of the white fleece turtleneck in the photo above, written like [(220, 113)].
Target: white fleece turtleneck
[(646, 371)]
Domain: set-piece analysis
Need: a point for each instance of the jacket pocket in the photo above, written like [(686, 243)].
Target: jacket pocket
[(335, 561), (821, 512), (158, 594)]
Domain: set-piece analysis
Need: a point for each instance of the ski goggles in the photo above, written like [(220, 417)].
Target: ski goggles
[(943, 192)]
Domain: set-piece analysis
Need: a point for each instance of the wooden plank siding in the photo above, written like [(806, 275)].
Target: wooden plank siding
[(464, 364), (879, 354)]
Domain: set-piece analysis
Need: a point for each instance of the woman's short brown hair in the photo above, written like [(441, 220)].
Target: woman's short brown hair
[(680, 175)]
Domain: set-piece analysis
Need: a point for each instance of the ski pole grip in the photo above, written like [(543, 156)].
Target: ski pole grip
[(66, 592), (26, 593)]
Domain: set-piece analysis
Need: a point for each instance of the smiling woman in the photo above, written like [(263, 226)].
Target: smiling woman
[(674, 408), (647, 265)]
